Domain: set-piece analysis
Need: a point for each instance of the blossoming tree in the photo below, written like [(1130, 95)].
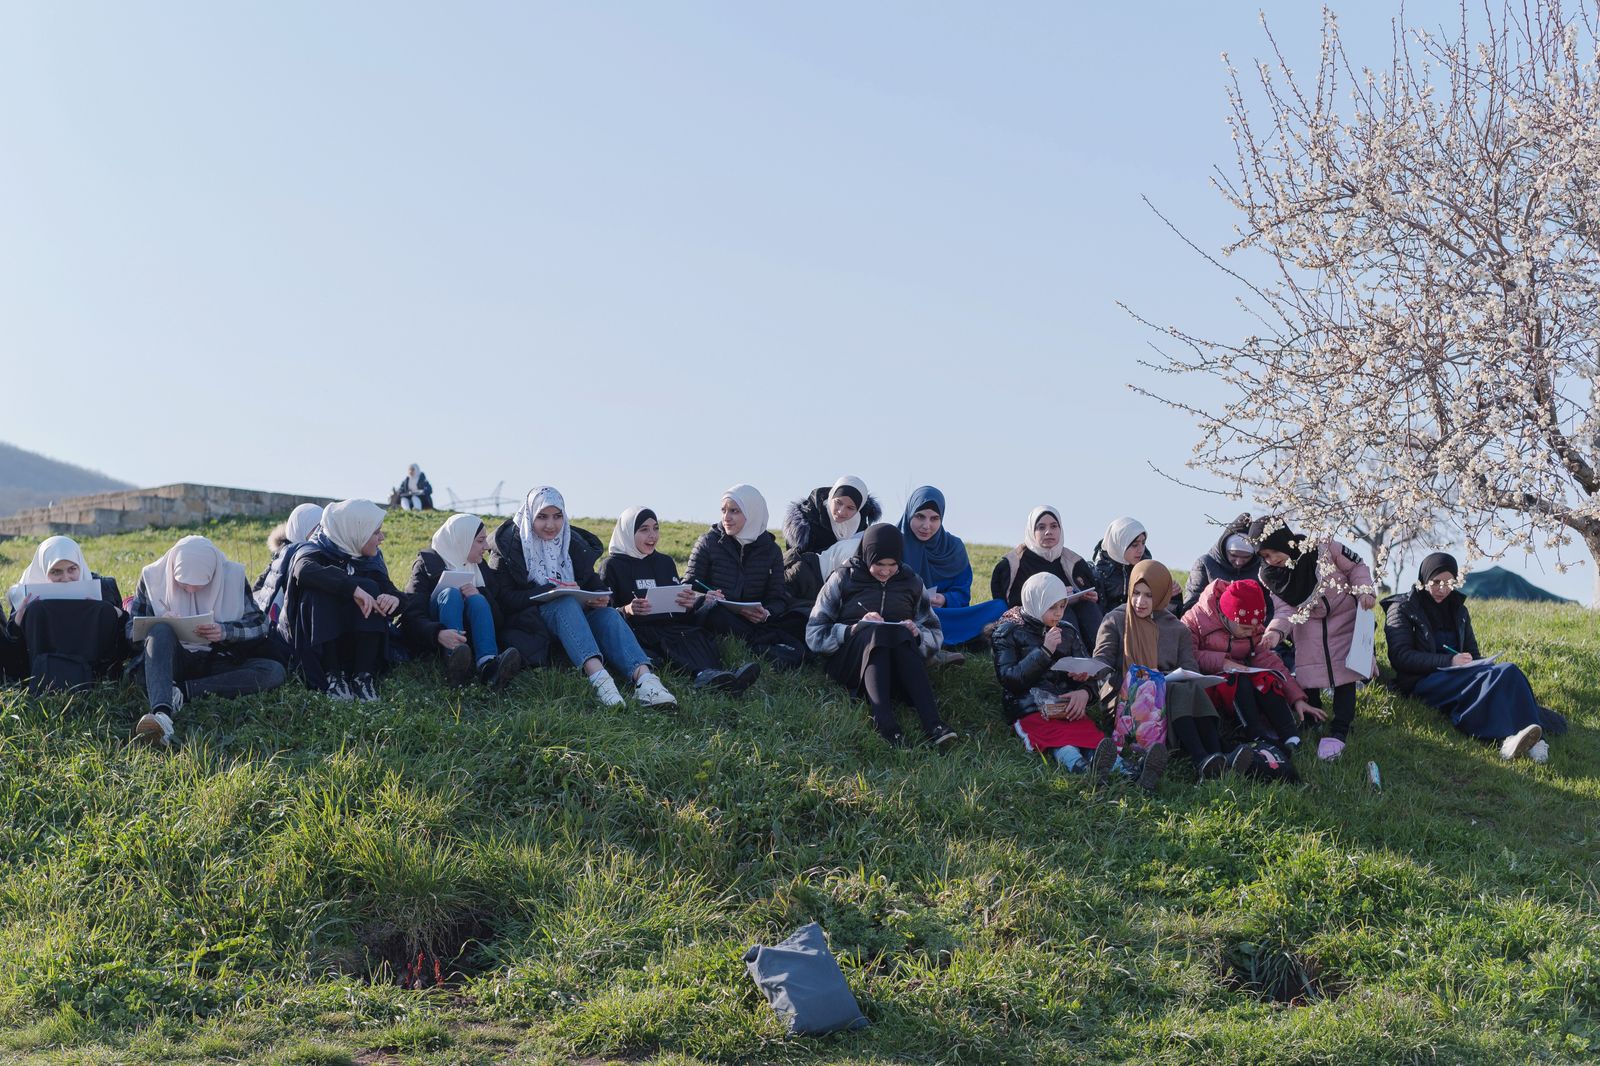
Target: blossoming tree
[(1419, 247)]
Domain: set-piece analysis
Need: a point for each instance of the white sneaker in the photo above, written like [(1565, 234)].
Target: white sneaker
[(606, 689), (154, 728), (1519, 742), (652, 693), (1540, 752)]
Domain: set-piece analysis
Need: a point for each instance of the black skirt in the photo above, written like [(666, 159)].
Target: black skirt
[(849, 663)]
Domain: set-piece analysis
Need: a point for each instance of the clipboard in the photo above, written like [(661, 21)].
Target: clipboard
[(582, 594), (184, 628), (87, 589)]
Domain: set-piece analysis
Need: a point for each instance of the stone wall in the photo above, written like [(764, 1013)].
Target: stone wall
[(168, 505)]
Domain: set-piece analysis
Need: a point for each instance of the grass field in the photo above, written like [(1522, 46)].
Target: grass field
[(595, 877)]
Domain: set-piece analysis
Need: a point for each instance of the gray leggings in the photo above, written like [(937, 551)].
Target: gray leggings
[(202, 672)]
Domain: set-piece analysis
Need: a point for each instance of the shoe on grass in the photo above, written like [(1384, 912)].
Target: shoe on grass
[(652, 693), (946, 657), (1540, 752), (1329, 748), (1105, 757), (507, 665), (942, 736), (1155, 764), (339, 689), (1242, 759), (364, 688), (744, 676), (606, 689), (154, 729), (458, 665), (1519, 742), (1211, 766)]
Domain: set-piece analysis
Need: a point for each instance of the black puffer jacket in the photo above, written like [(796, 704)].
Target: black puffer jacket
[(1111, 576), (1022, 664), (808, 526), (1413, 645), (1214, 566), (513, 588), (742, 572)]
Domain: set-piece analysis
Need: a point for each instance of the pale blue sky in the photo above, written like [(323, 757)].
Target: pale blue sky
[(637, 251)]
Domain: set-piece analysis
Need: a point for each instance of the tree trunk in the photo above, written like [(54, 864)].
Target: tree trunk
[(1591, 540)]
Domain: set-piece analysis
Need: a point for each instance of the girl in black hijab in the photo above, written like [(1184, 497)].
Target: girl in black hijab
[(874, 621), (1433, 649)]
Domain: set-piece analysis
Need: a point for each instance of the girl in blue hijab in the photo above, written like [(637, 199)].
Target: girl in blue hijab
[(940, 558)]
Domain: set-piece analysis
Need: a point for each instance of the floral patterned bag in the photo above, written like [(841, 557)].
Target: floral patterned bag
[(1141, 716)]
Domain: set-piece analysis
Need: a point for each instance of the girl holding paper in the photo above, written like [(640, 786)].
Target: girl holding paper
[(1140, 636), (1326, 585), (90, 631), (939, 558), (231, 655), (1433, 649), (339, 605), (451, 577), (738, 561), (535, 555), (1047, 708), (1041, 552), (874, 622), (1229, 623), (634, 570)]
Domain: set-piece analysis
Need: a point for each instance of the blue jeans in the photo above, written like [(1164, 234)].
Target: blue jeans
[(585, 634), (447, 607)]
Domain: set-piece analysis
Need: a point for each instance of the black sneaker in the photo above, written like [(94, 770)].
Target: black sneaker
[(1155, 764), (507, 665), (1211, 766), (896, 741), (745, 676), (1105, 757), (1243, 757), (364, 688), (339, 689), (943, 736), (458, 665)]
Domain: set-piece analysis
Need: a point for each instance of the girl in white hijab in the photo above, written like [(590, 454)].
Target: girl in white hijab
[(231, 654), (738, 561), (57, 560), (1043, 551), (339, 604), (296, 530), (822, 531), (448, 576), (549, 559), (633, 569), (1115, 554), (91, 635)]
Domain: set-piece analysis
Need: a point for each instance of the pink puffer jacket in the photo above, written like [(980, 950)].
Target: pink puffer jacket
[(1322, 641), (1213, 643)]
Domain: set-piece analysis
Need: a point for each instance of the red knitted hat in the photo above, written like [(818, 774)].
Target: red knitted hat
[(1244, 602)]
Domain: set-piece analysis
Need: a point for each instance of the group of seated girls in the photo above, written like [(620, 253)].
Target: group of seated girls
[(880, 603), (1262, 585)]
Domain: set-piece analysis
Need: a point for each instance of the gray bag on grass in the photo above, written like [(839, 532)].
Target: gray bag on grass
[(804, 984)]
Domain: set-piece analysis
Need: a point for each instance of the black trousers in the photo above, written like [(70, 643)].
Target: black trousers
[(898, 673)]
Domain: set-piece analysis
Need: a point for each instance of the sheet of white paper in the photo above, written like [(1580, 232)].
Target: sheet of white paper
[(877, 622), (1363, 653), (1074, 665), (582, 594), (1248, 670), (1203, 680), (456, 579), (830, 559), (739, 603), (64, 590), (183, 627), (664, 599)]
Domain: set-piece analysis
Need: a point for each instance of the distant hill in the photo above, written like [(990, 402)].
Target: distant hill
[(1497, 583), (28, 479)]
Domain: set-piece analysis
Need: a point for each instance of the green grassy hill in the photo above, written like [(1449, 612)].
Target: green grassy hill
[(595, 877)]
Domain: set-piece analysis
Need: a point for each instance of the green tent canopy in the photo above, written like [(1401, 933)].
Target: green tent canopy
[(1498, 583)]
